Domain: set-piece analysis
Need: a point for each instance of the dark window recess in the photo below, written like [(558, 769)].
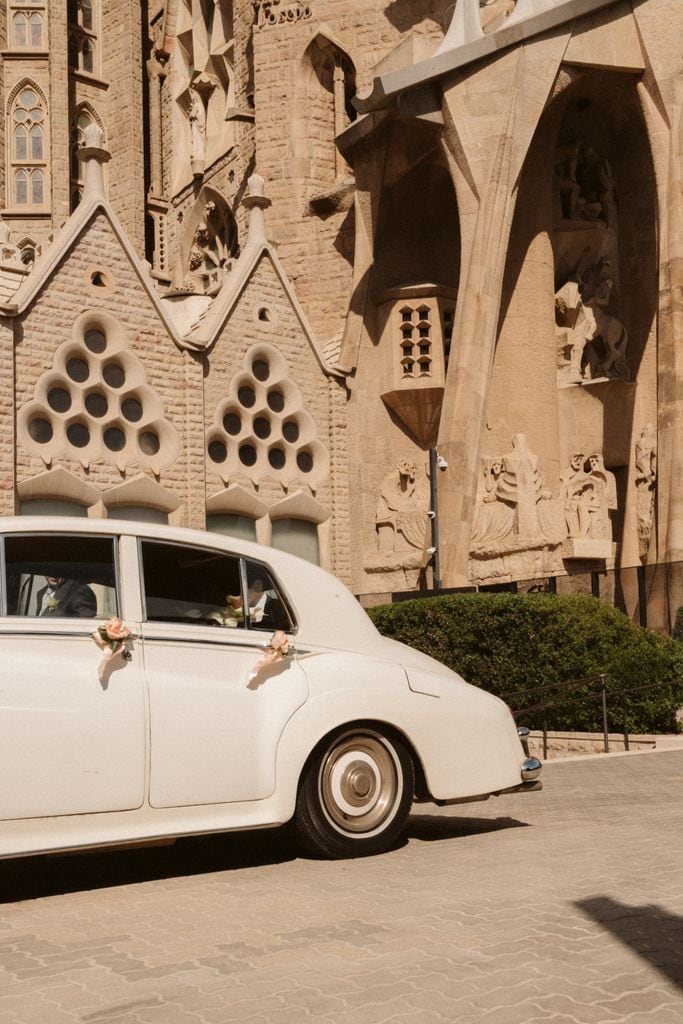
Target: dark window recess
[(217, 451), (192, 585), (96, 404), (79, 561), (232, 423)]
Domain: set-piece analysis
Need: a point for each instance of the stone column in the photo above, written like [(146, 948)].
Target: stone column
[(487, 154)]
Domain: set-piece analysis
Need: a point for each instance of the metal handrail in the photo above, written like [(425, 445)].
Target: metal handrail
[(572, 685)]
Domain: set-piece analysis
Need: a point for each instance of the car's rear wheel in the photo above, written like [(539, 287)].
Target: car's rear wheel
[(355, 794)]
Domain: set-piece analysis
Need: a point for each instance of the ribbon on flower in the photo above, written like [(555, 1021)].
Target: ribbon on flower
[(110, 638), (278, 649)]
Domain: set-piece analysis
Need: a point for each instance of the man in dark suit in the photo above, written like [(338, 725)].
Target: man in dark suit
[(66, 598)]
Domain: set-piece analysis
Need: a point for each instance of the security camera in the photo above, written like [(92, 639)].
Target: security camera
[(431, 551), (441, 462), (431, 514)]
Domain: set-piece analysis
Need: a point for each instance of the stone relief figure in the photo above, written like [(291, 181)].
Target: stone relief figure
[(646, 481), (209, 259), (513, 511), (585, 183), (588, 492), (493, 519), (575, 496), (520, 485), (594, 341), (197, 116), (401, 517), (603, 499)]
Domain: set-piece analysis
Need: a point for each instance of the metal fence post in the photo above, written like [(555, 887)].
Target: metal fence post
[(605, 733)]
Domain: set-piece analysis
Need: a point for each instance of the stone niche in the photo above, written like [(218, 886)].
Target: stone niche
[(415, 326)]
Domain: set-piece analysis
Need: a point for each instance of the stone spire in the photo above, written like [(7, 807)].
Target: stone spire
[(256, 202), (93, 156)]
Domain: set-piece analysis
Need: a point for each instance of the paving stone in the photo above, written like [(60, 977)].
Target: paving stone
[(436, 931)]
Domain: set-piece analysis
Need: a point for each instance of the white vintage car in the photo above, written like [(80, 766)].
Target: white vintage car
[(191, 726)]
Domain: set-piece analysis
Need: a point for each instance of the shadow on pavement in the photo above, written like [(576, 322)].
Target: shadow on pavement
[(650, 931), (29, 878), (431, 827), (34, 877)]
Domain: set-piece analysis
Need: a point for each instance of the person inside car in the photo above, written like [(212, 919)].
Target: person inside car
[(66, 598)]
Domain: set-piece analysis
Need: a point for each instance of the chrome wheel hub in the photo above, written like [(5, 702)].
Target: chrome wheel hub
[(359, 783)]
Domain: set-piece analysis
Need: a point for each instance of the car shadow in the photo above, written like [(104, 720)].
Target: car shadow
[(430, 828), (653, 933), (26, 878)]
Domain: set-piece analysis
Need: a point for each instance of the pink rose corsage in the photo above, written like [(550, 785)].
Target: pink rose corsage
[(110, 638)]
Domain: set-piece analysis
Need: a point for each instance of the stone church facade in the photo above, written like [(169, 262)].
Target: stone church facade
[(311, 272)]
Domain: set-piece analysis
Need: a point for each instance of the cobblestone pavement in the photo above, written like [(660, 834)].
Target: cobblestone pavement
[(563, 906)]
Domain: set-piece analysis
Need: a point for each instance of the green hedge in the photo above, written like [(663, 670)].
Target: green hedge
[(511, 642)]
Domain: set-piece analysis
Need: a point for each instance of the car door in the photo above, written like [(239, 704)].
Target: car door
[(214, 726), (70, 743)]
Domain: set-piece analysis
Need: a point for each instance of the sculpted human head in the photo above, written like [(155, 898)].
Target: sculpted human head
[(407, 470)]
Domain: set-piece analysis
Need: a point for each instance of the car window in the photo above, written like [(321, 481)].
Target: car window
[(193, 585), (267, 610), (60, 576)]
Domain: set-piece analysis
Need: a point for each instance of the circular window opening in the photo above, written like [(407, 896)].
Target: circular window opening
[(95, 341), (261, 369), (262, 427), (304, 461), (247, 454), (115, 439), (100, 279), (78, 435), (96, 404), (40, 430), (114, 375), (265, 314), (232, 423), (276, 457), (131, 409), (290, 431), (149, 443), (59, 399), (276, 401), (78, 370), (217, 451), (246, 396)]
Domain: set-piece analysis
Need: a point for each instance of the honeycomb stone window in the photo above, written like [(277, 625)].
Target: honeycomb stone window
[(415, 341), (94, 403), (262, 428)]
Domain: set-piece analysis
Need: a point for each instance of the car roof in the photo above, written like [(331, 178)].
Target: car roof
[(327, 612)]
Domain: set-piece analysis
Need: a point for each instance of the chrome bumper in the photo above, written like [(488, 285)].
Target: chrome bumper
[(531, 769)]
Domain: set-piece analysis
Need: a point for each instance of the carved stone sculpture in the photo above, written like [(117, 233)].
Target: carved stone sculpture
[(593, 342), (402, 511), (513, 512), (209, 256), (646, 481), (585, 183), (493, 519), (588, 493), (197, 115), (575, 496)]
